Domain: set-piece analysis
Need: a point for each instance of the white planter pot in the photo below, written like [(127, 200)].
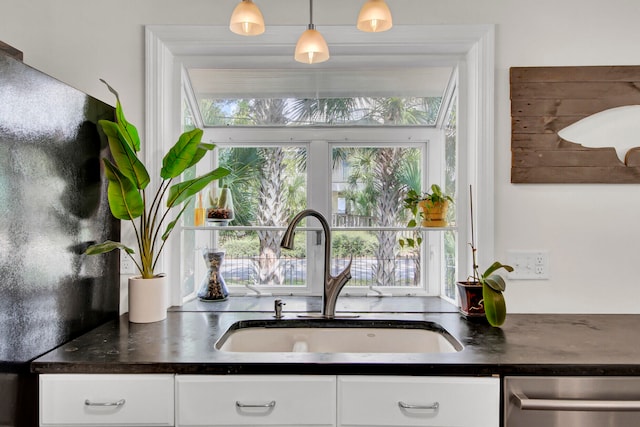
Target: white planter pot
[(148, 299)]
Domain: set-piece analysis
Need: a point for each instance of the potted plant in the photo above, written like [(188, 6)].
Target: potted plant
[(481, 295), (429, 209), (128, 200), (434, 206)]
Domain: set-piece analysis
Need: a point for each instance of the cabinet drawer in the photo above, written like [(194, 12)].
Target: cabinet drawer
[(255, 400), (427, 401), (82, 400)]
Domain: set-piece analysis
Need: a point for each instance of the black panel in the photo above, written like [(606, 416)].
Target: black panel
[(52, 205)]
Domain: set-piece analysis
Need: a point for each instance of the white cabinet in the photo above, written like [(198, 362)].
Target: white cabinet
[(106, 400), (345, 401), (418, 401), (260, 400), (268, 400)]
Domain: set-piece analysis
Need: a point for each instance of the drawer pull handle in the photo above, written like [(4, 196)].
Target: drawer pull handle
[(269, 405), (525, 403), (433, 407), (120, 402)]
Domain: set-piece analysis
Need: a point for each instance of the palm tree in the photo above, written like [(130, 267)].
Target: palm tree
[(391, 191), (325, 110), (376, 172), (272, 201), (271, 211), (258, 181)]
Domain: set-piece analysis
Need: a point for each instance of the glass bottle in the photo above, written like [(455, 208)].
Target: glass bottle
[(198, 214), (213, 287)]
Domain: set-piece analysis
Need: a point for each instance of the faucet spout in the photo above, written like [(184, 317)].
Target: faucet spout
[(332, 284)]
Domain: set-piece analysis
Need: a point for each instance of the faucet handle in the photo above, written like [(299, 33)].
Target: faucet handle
[(347, 270)]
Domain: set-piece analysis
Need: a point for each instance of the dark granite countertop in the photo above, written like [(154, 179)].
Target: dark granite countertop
[(541, 344)]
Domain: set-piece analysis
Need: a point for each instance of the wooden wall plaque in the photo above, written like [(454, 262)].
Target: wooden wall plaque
[(11, 51), (545, 100)]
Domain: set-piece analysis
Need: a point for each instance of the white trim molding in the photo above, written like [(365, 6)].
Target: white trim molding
[(170, 48)]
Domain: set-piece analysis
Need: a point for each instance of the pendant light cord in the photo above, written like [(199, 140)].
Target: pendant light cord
[(311, 26)]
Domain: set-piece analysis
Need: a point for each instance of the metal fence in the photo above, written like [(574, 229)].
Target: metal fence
[(241, 271)]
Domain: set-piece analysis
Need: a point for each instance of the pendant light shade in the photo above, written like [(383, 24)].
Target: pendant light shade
[(311, 47), (374, 17), (247, 19)]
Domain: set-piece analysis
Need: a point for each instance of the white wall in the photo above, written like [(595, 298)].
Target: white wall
[(590, 230)]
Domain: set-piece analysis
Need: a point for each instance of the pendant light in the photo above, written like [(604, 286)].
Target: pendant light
[(311, 47), (247, 19), (374, 17)]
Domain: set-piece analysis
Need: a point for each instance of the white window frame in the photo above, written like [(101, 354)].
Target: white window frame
[(319, 142), (170, 48)]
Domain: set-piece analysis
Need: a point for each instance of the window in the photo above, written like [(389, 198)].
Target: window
[(419, 46), (362, 199)]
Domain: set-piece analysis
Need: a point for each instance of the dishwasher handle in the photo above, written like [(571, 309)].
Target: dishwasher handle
[(527, 404)]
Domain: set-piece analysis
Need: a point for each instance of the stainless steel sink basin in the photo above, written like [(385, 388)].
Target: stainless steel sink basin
[(337, 336)]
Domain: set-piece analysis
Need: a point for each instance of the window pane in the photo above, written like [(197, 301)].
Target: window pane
[(368, 188), (369, 267), (344, 96), (450, 186), (188, 123), (363, 111), (248, 263), (268, 186)]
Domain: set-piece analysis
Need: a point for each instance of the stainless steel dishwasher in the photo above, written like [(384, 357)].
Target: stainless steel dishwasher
[(572, 401)]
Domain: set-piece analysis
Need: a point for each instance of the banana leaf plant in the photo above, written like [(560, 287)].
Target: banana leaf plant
[(127, 184)]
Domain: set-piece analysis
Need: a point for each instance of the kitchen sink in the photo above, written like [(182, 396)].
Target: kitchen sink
[(337, 336)]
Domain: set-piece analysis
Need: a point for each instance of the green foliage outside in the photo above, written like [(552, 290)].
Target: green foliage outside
[(344, 244), (358, 244), (248, 245)]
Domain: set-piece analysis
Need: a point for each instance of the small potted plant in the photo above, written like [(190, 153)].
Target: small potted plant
[(128, 200), (434, 206), (427, 209), (221, 210), (481, 295)]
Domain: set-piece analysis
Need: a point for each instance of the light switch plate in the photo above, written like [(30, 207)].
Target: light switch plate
[(127, 267), (528, 265)]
